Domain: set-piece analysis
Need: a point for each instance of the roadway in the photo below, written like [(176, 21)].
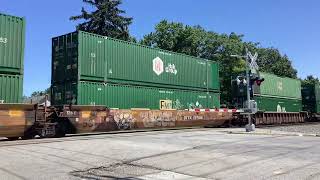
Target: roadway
[(174, 154)]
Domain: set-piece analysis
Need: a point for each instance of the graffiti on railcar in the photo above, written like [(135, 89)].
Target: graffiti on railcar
[(89, 123), (124, 120), (152, 119)]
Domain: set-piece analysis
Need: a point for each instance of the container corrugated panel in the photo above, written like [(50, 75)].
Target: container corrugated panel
[(126, 97), (11, 88), (88, 57), (272, 104), (12, 43), (92, 59), (279, 87), (132, 62)]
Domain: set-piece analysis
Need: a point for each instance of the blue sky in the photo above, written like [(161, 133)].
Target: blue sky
[(292, 26)]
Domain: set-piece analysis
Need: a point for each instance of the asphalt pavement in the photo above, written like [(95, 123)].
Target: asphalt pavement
[(174, 154)]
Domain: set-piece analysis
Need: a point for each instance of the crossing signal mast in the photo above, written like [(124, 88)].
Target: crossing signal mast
[(252, 78)]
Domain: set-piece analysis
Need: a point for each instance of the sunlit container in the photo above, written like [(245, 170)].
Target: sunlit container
[(274, 104), (82, 56), (280, 87), (11, 88), (127, 97), (12, 42)]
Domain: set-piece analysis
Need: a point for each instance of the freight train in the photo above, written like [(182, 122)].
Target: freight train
[(104, 84), (276, 99)]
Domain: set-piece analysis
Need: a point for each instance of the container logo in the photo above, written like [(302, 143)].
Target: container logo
[(158, 66), (171, 68), (3, 40), (165, 104), (281, 109)]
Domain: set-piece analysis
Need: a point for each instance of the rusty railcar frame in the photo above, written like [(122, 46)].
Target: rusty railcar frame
[(72, 119)]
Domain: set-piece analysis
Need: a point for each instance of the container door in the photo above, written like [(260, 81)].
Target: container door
[(91, 57), (72, 57), (71, 95), (58, 59), (213, 75), (57, 94)]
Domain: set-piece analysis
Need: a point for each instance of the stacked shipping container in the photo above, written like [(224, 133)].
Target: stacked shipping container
[(12, 40), (92, 69), (278, 94)]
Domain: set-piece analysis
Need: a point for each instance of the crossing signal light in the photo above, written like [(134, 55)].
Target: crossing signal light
[(256, 80), (259, 81)]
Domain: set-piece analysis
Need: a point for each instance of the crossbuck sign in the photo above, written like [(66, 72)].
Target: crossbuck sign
[(253, 64)]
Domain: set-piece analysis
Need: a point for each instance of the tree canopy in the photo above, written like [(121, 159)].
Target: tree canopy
[(310, 80), (106, 19), (41, 93), (196, 41)]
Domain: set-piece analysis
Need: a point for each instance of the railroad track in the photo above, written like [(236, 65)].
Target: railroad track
[(92, 136), (125, 133)]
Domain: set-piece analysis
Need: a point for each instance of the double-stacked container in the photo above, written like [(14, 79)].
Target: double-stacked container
[(278, 94), (98, 70), (12, 42)]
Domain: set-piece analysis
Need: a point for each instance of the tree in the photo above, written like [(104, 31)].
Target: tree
[(105, 20), (41, 93), (270, 60), (196, 41), (310, 80)]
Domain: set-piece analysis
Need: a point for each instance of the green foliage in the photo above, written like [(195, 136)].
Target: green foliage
[(270, 60), (41, 93), (310, 80), (106, 19), (196, 41)]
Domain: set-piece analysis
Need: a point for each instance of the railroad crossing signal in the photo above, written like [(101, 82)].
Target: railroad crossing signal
[(253, 64)]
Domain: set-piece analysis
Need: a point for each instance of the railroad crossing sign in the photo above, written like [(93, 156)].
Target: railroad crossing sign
[(253, 64)]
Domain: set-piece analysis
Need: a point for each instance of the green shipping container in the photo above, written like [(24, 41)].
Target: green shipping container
[(127, 97), (12, 42), (11, 88), (275, 86), (311, 98), (82, 56), (272, 104)]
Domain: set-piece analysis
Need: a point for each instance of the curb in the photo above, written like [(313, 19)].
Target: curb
[(274, 134)]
